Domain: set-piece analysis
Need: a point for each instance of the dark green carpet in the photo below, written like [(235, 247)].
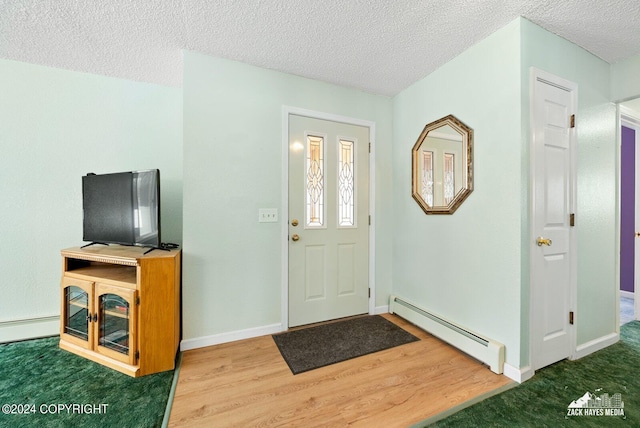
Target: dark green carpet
[(315, 347), (542, 401), (38, 374)]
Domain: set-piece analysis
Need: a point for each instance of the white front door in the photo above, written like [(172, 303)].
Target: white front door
[(328, 220), (553, 268)]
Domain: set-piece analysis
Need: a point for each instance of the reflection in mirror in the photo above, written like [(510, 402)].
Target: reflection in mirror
[(442, 166)]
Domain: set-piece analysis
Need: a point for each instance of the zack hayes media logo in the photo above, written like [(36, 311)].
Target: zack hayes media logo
[(591, 405)]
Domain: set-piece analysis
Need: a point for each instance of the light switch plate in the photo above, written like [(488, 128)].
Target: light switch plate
[(268, 215)]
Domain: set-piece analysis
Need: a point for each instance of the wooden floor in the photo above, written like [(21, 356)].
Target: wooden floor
[(248, 384)]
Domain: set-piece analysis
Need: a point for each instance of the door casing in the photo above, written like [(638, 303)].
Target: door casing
[(284, 223)]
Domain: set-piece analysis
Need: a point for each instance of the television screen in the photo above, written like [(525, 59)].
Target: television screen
[(122, 208)]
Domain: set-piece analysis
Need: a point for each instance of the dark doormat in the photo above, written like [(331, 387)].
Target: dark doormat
[(326, 344)]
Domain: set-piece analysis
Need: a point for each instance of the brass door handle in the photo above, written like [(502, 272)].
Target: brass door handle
[(294, 222), (637, 234), (295, 237), (543, 241)]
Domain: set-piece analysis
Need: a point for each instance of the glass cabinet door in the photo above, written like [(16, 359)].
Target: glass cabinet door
[(76, 311), (115, 326)]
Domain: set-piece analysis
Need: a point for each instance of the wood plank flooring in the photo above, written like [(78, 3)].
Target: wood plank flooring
[(248, 384)]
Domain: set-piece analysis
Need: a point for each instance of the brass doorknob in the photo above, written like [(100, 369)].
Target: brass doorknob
[(294, 222), (295, 237), (543, 241), (637, 233)]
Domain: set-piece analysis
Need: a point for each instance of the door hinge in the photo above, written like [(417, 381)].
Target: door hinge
[(369, 147), (369, 220), (369, 293), (572, 219), (137, 355), (571, 317), (137, 300), (573, 121)]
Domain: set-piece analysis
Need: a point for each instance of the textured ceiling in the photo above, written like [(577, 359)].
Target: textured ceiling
[(379, 46)]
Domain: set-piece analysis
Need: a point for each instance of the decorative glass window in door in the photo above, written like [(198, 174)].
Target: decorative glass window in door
[(346, 184), (114, 323), (449, 178), (315, 181), (76, 322), (427, 177)]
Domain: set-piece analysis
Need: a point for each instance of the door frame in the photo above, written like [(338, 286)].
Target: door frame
[(284, 223), (551, 79), (629, 119)]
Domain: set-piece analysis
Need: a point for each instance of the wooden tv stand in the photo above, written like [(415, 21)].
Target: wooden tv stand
[(121, 308)]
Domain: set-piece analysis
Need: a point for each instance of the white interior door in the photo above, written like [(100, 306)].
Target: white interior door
[(630, 120), (553, 268), (328, 220)]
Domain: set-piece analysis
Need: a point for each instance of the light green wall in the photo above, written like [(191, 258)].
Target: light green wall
[(625, 80), (473, 267), (56, 126), (466, 266), (597, 173), (232, 167)]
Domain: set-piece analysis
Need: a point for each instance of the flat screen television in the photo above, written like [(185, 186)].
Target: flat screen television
[(122, 208)]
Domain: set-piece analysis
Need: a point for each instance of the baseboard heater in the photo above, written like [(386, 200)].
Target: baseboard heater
[(486, 350)]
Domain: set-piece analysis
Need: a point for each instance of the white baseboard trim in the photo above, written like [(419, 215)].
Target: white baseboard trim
[(516, 374), (13, 331), (232, 336), (627, 294), (526, 373), (595, 345), (381, 310)]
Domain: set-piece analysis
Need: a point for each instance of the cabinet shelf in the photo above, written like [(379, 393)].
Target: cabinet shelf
[(79, 304), (111, 274), (117, 341), (116, 314)]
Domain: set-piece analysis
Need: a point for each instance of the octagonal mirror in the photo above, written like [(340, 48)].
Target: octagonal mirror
[(442, 164)]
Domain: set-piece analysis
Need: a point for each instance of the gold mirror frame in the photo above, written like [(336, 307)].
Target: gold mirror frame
[(458, 183)]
